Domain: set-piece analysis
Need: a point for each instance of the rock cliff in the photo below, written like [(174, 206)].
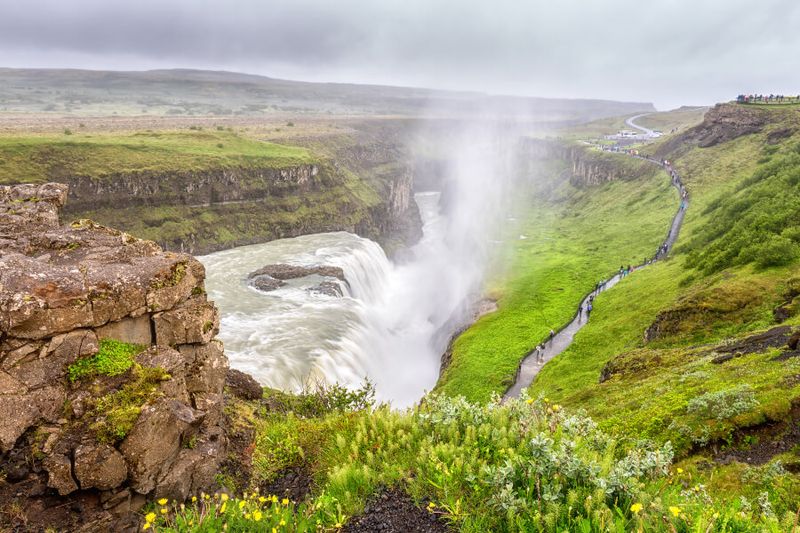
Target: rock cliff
[(587, 167), (216, 208), (111, 381)]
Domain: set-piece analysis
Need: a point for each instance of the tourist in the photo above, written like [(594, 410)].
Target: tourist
[(552, 335), (589, 311)]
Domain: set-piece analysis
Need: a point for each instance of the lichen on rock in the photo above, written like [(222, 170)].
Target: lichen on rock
[(108, 362)]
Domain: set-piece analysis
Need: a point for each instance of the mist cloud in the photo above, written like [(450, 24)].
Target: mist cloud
[(670, 52)]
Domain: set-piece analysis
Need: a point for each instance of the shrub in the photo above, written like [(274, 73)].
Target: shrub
[(724, 404)]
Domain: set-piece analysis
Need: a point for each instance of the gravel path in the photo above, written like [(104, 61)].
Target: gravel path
[(530, 366)]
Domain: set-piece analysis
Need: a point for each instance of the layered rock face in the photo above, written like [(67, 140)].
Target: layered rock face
[(74, 413), (587, 167)]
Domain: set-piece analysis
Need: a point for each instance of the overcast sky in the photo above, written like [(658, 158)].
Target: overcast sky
[(667, 52)]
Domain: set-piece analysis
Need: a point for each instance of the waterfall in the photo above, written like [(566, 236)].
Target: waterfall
[(394, 320)]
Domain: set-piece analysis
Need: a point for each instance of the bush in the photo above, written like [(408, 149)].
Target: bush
[(777, 250), (724, 404)]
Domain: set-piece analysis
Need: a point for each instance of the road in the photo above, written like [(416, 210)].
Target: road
[(630, 122)]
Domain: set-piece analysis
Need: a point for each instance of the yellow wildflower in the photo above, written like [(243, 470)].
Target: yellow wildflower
[(274, 530), (262, 499), (680, 470), (282, 522), (149, 517), (636, 508), (285, 501), (163, 510), (194, 499), (223, 507), (224, 497), (163, 501), (529, 401), (242, 503), (257, 516), (676, 511), (146, 526)]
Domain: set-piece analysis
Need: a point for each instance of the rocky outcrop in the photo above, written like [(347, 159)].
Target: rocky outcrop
[(283, 272), (588, 167), (69, 297), (725, 122), (271, 277)]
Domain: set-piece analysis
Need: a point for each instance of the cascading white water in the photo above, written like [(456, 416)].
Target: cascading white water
[(394, 321)]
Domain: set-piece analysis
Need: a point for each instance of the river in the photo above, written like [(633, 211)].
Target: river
[(391, 325)]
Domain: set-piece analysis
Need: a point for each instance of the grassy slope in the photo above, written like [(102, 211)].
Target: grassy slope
[(574, 240), (40, 158), (656, 381)]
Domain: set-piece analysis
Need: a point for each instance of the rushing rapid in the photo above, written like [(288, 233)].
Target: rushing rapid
[(384, 327), (393, 321)]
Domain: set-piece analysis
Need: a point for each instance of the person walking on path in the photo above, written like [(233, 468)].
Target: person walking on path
[(588, 311), (552, 336), (580, 312)]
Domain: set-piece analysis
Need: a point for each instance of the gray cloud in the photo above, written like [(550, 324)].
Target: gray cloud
[(672, 52)]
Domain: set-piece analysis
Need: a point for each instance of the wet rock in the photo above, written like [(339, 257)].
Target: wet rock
[(243, 385), (328, 288), (284, 272), (174, 364), (192, 470), (155, 440), (20, 412), (99, 466), (62, 351), (266, 283), (192, 322), (131, 330), (206, 367), (794, 340), (59, 474)]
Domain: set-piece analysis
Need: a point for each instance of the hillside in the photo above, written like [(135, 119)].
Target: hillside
[(197, 92)]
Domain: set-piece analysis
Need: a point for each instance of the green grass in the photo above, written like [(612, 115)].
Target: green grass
[(573, 240), (526, 465), (54, 157), (114, 414), (113, 358)]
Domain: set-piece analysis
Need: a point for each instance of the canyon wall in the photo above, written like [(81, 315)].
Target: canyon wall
[(217, 208), (111, 380), (587, 166)]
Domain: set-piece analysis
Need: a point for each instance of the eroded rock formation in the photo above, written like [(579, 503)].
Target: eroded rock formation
[(76, 417)]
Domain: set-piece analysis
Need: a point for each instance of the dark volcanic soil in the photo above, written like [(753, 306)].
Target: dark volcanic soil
[(771, 440), (294, 483), (394, 512)]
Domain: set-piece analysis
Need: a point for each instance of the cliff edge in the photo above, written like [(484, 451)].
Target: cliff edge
[(111, 380)]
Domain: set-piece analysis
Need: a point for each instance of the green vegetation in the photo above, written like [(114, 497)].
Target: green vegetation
[(671, 354), (759, 223), (113, 358), (574, 238), (115, 413), (47, 157), (525, 465)]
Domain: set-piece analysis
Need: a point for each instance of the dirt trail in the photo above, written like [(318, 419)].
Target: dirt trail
[(532, 363)]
